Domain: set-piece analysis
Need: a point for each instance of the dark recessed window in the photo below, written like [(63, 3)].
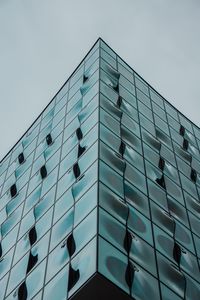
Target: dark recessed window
[(85, 78), (76, 170), (161, 181), (79, 133), (116, 88), (185, 144), (74, 276), (80, 150), (13, 190), (49, 139), (122, 148), (177, 253), (32, 261), (119, 101), (22, 291), (43, 172), (32, 236), (127, 241), (0, 250), (21, 158), (71, 245), (193, 175), (182, 130), (161, 163), (129, 276)]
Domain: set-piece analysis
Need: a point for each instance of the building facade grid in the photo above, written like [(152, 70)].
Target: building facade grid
[(105, 181)]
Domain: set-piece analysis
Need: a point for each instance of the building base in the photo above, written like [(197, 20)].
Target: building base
[(100, 288)]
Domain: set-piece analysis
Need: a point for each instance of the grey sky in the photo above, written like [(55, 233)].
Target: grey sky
[(42, 41)]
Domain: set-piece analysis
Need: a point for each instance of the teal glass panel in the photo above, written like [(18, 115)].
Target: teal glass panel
[(127, 96), (108, 92), (109, 122), (192, 204), (132, 142), (157, 194), (85, 87), (14, 203), (85, 181), (107, 49), (171, 275), (145, 111), (35, 280), (195, 223), (160, 112), (9, 240), (136, 198), (112, 264), (85, 231), (125, 72), (112, 230), (143, 98), (140, 225), (39, 249), (17, 274), (62, 228), (167, 154), (144, 285), (85, 204), (87, 120), (3, 283), (57, 287), (11, 221), (108, 58), (111, 179), (42, 225), (136, 178), (140, 84), (192, 288), (184, 237), (143, 254), (112, 203), (91, 58), (147, 124), (57, 259), (72, 142), (6, 263), (111, 158), (157, 98), (110, 107), (161, 124), (162, 218), (178, 211), (63, 204), (127, 84), (85, 262)]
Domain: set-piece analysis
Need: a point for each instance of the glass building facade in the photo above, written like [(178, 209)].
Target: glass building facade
[(100, 199)]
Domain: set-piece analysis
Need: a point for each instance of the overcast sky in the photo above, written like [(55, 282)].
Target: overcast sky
[(42, 42)]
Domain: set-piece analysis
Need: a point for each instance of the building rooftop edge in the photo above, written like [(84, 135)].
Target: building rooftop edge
[(99, 39)]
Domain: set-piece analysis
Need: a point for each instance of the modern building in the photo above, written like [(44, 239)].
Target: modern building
[(100, 198)]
